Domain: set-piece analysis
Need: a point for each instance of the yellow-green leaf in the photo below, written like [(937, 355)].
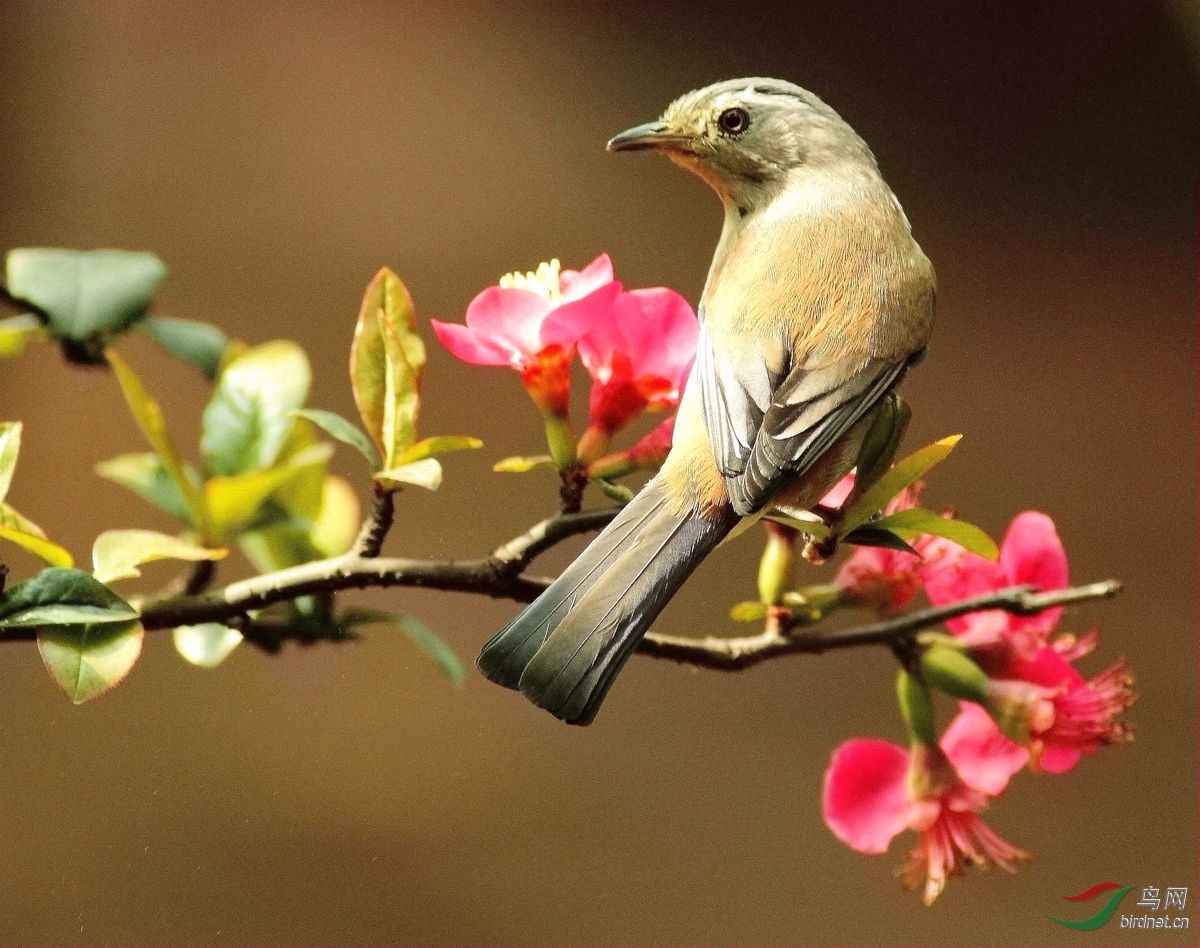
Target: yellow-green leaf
[(386, 297), (519, 465), (10, 448), (306, 451), (249, 416), (46, 550), (902, 474), (117, 554), (88, 660), (918, 521), (18, 330), (19, 529), (146, 476), (206, 645), (149, 417), (427, 474), (401, 400), (751, 610), (336, 526), (234, 503), (432, 447)]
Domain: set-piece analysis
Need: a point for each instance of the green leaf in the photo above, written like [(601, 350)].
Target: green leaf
[(750, 610), (873, 536), (88, 660), (149, 417), (386, 297), (59, 596), (345, 431), (442, 444), (519, 465), (146, 476), (85, 292), (206, 645), (250, 414), (918, 521), (427, 474), (902, 474), (10, 448), (421, 635), (16, 331), (197, 343), (117, 554)]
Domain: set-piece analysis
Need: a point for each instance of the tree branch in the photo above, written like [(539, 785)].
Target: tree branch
[(734, 654), (498, 574), (501, 575)]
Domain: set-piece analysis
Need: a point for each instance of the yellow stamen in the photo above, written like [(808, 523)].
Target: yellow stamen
[(543, 281)]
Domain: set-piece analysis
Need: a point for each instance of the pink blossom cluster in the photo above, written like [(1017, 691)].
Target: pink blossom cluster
[(1039, 711), (637, 345)]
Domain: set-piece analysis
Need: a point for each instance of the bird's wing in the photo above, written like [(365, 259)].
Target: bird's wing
[(771, 414)]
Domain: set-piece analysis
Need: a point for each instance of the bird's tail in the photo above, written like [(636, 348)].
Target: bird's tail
[(565, 649)]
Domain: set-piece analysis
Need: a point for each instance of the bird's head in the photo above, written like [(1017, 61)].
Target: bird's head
[(748, 137)]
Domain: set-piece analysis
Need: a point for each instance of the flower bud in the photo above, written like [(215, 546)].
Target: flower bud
[(949, 670)]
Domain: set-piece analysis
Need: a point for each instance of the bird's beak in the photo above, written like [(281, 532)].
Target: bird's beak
[(650, 135)]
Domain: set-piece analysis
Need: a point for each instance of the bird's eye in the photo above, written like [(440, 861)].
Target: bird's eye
[(734, 121)]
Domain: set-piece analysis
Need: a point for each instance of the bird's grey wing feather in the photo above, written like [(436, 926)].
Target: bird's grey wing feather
[(768, 425), (813, 407), (736, 387)]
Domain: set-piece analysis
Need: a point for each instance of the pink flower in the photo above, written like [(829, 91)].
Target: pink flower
[(1031, 554), (875, 576), (506, 325), (837, 494), (1058, 714), (638, 355), (874, 790), (652, 450)]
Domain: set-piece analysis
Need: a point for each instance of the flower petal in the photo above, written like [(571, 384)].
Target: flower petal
[(839, 492), (1046, 667), (984, 758), (660, 332), (568, 323), (510, 317), (576, 284), (469, 345), (1059, 758), (1033, 554), (950, 573), (865, 800)]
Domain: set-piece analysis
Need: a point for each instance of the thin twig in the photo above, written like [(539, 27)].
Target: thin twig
[(375, 528), (734, 654)]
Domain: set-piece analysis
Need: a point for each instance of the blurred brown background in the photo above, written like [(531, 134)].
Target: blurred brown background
[(277, 154)]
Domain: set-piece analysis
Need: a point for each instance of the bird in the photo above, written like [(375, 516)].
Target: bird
[(817, 302)]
